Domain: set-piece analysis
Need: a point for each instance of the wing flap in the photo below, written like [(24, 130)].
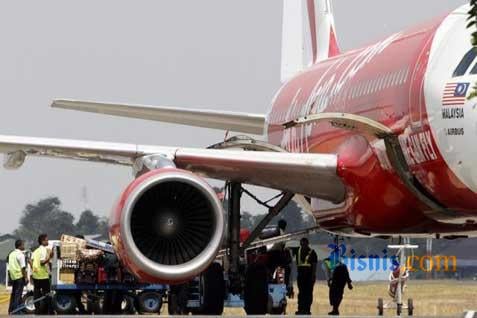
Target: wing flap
[(309, 174), (224, 120)]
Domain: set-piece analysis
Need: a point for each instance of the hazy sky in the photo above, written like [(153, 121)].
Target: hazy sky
[(217, 54)]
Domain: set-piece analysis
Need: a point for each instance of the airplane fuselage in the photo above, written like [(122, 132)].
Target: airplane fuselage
[(408, 83)]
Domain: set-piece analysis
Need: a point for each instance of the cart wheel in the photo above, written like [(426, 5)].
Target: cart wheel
[(149, 303), (410, 307), (127, 305), (380, 307), (29, 304), (64, 304), (94, 304), (399, 309)]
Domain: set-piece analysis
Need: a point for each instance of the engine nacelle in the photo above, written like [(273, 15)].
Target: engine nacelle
[(167, 226)]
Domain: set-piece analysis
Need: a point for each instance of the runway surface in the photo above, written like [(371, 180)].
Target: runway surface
[(468, 314)]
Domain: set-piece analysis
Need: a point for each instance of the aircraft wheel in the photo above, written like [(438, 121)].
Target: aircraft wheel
[(410, 307), (177, 300), (256, 290), (380, 307), (213, 290)]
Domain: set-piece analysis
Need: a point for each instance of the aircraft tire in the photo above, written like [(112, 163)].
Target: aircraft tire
[(256, 290), (213, 286)]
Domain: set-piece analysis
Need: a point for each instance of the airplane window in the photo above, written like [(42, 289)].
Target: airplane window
[(465, 63)]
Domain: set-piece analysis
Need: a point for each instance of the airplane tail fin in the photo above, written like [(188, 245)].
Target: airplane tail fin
[(308, 35)]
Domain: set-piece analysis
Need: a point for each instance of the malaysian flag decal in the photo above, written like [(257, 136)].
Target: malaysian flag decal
[(455, 94)]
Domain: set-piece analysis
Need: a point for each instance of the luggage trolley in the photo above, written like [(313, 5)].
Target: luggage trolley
[(397, 283)]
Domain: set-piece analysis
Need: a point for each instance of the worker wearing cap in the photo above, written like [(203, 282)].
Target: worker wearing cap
[(306, 260), (18, 274), (40, 273)]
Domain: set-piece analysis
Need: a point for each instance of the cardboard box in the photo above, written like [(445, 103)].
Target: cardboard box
[(69, 250), (67, 278), (71, 239), (89, 255)]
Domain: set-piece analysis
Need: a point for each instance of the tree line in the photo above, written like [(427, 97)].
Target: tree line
[(47, 216)]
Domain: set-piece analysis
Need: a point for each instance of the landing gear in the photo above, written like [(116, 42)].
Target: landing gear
[(247, 282), (177, 300), (256, 296), (212, 285)]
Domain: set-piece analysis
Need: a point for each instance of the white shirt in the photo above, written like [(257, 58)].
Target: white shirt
[(43, 253), (21, 258)]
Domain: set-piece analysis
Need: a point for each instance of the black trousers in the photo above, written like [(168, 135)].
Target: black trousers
[(305, 289), (336, 296), (41, 287), (16, 295)]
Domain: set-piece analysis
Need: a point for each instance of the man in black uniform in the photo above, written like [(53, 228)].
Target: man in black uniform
[(306, 260), (339, 280)]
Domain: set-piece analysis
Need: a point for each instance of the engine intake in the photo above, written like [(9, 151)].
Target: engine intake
[(168, 226)]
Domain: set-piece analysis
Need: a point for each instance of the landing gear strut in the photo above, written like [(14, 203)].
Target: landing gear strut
[(235, 191)]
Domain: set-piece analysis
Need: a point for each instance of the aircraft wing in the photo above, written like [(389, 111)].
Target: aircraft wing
[(308, 174), (224, 120)]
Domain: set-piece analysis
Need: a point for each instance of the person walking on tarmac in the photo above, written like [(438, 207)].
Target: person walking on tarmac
[(41, 277), (306, 261), (18, 274), (340, 278)]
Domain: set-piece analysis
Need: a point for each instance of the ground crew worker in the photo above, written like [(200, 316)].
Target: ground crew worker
[(339, 280), (306, 260), (328, 270), (18, 274), (41, 277)]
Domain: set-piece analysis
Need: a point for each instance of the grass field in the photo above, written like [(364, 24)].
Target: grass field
[(431, 298)]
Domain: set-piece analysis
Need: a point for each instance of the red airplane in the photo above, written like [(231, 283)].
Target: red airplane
[(384, 132)]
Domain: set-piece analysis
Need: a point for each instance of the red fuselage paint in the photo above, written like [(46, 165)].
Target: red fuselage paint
[(383, 82)]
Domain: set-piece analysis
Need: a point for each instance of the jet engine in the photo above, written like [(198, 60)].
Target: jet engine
[(167, 226)]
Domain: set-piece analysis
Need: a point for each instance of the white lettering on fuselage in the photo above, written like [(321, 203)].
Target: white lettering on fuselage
[(325, 92), (418, 148)]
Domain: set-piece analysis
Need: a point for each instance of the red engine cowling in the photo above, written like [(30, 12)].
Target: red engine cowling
[(167, 226)]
